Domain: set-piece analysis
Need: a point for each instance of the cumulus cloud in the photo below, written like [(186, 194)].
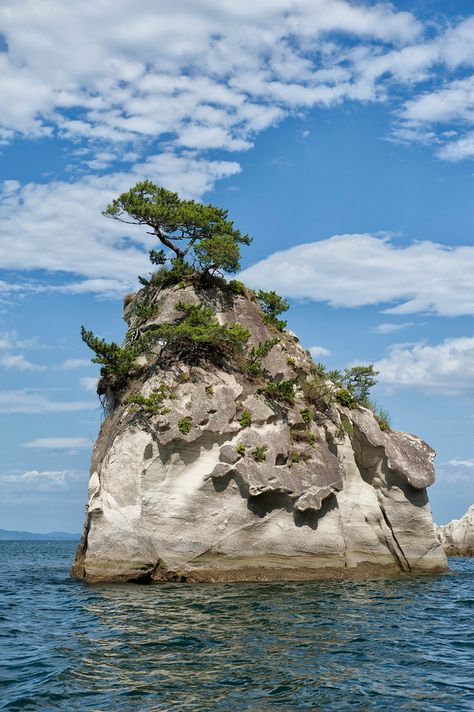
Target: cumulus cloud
[(228, 73), (446, 368), (223, 76), (17, 486), (18, 362), (71, 363), (34, 401), (360, 269), (318, 351), (74, 443), (11, 340)]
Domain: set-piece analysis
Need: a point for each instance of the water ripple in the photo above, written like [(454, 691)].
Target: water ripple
[(400, 644)]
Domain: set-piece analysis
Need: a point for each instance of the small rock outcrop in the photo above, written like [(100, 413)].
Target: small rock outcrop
[(206, 472), (457, 537)]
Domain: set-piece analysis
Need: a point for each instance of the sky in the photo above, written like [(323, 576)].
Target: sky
[(339, 134)]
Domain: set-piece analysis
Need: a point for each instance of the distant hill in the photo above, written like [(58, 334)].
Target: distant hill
[(5, 534)]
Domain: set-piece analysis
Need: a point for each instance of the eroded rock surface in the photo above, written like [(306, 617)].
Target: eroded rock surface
[(226, 499), (457, 537)]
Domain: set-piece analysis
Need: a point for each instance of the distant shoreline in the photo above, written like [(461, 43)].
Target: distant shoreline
[(9, 535)]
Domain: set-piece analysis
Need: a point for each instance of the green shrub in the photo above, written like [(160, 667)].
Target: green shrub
[(383, 419), (253, 365), (184, 425), (144, 313), (359, 380), (245, 419), (153, 404), (199, 336), (344, 397), (311, 437), (281, 391), (291, 361), (319, 392), (114, 359), (272, 305), (240, 449), (209, 390), (236, 287), (307, 415), (259, 454)]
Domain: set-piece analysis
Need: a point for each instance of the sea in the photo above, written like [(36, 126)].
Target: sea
[(392, 644)]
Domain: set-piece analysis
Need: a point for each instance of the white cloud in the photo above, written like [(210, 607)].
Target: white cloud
[(71, 363), (426, 117), (445, 368), (59, 443), (18, 362), (21, 485), (116, 76), (390, 328), (358, 270), (469, 464), (89, 383), (34, 401), (317, 351), (10, 340)]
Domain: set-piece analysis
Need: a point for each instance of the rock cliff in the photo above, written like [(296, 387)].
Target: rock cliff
[(457, 537), (212, 471)]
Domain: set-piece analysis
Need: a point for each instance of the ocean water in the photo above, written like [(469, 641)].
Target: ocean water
[(399, 644)]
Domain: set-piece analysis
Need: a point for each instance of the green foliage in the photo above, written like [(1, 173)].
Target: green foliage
[(256, 354), (218, 253), (245, 419), (240, 449), (294, 458), (153, 404), (381, 416), (259, 454), (345, 428), (114, 359), (319, 392), (236, 287), (281, 391), (157, 257), (311, 437), (209, 390), (181, 225), (272, 305), (184, 425), (179, 272), (344, 397), (383, 419), (307, 415), (291, 361), (199, 336), (359, 380), (144, 313)]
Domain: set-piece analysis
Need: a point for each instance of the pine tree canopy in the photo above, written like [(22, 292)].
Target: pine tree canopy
[(182, 226)]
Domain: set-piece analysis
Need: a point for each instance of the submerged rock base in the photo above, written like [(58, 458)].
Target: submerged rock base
[(274, 495)]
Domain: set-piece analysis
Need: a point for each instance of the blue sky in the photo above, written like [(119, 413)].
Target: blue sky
[(339, 134)]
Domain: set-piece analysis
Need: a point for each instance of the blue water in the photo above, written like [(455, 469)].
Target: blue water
[(404, 644)]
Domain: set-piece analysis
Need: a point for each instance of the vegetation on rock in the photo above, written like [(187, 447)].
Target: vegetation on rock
[(272, 306), (184, 227)]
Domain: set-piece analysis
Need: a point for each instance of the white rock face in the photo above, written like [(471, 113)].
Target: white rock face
[(278, 499), (457, 537)]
